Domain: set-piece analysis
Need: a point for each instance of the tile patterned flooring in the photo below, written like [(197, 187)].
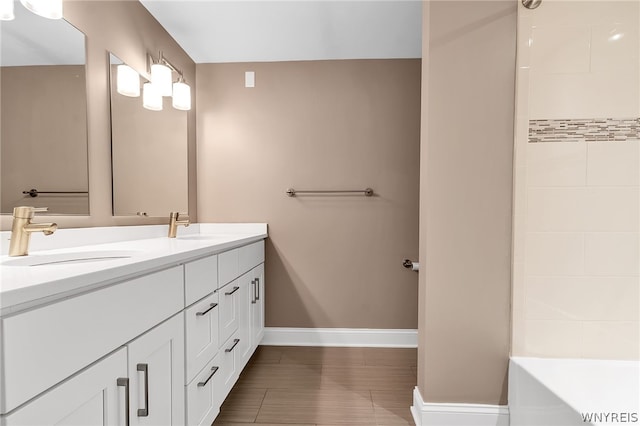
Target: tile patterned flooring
[(307, 386)]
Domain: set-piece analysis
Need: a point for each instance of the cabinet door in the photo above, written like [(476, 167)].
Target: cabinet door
[(257, 311), (229, 304), (156, 375), (92, 397), (245, 296)]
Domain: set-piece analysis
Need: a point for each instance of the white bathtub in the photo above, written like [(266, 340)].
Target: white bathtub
[(567, 392)]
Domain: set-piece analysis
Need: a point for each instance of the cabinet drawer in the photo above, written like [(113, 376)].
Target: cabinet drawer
[(229, 357), (229, 304), (228, 267), (250, 256), (201, 278), (43, 346), (233, 263), (201, 321), (204, 394)]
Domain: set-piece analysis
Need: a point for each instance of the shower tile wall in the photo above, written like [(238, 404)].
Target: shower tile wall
[(576, 280)]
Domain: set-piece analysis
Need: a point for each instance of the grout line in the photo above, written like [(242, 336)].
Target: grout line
[(261, 402), (373, 408)]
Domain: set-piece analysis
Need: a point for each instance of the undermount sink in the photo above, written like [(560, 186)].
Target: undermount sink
[(68, 258)]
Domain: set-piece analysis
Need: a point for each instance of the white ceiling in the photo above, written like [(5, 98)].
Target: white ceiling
[(213, 31)]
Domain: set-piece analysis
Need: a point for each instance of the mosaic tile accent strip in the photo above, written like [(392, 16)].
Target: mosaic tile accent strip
[(584, 130)]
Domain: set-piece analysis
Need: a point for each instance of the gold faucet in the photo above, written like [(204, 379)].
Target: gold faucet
[(174, 221), (22, 228)]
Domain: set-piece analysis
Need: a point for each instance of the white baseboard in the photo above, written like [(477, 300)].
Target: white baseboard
[(430, 414), (355, 337)]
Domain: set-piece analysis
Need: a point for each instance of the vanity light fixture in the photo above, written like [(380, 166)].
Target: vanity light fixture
[(181, 95), (162, 76), (51, 9), (128, 81), (151, 97), (6, 10)]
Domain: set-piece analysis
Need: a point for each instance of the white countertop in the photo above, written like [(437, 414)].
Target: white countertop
[(23, 287)]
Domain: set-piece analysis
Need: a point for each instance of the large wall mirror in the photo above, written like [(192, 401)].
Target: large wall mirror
[(149, 154), (43, 115)]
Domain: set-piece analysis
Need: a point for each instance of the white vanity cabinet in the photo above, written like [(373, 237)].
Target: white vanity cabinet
[(60, 340), (162, 346), (148, 371), (43, 346)]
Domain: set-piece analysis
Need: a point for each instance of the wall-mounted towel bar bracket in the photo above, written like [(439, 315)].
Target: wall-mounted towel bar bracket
[(409, 264), (368, 192)]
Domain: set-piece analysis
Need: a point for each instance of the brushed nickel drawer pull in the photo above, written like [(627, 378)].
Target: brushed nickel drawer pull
[(229, 293), (235, 342), (258, 288), (144, 412), (214, 370), (123, 381), (211, 306)]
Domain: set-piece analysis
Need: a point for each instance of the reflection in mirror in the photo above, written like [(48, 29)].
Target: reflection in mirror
[(149, 152), (43, 114)]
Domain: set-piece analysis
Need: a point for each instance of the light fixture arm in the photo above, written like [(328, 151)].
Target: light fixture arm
[(164, 61)]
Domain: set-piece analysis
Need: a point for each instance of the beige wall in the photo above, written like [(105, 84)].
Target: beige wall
[(576, 280), (331, 261), (44, 134), (465, 207), (128, 30)]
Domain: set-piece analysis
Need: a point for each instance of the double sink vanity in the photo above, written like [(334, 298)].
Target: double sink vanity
[(123, 325)]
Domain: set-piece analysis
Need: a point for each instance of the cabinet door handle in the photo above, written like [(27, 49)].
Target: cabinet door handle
[(253, 295), (235, 342), (211, 306), (229, 293), (214, 370), (258, 287), (123, 381), (144, 412)]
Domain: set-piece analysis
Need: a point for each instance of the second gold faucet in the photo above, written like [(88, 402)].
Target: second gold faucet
[(174, 221)]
